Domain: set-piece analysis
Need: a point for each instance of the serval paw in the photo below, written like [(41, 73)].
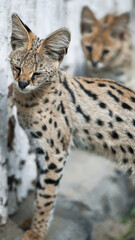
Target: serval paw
[(30, 235)]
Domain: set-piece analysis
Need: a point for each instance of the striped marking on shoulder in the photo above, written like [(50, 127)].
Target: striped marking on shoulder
[(69, 90), (88, 92)]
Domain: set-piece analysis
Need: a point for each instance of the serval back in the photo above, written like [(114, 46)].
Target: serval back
[(56, 109), (107, 45)]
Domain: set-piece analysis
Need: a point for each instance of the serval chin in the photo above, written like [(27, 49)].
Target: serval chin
[(56, 109)]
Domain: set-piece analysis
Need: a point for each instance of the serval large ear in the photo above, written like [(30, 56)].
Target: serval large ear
[(56, 44), (119, 26), (22, 36), (88, 20)]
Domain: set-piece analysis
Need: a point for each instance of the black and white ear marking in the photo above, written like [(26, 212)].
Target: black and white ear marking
[(88, 20), (57, 44), (21, 35)]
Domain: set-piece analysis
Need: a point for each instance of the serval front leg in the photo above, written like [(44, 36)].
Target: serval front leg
[(49, 180)]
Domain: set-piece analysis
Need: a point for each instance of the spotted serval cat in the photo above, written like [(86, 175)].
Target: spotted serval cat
[(107, 45), (56, 109)]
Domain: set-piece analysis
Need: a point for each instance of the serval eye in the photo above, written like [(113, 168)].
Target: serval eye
[(105, 51), (34, 75), (89, 49), (18, 69)]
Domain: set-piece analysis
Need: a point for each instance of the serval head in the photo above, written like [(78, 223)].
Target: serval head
[(35, 62), (103, 39)]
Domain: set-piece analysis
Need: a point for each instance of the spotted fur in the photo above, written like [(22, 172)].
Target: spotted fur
[(56, 110), (107, 45)]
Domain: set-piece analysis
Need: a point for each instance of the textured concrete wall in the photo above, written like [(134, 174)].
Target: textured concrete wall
[(3, 117)]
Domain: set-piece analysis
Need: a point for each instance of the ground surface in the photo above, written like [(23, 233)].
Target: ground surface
[(93, 197)]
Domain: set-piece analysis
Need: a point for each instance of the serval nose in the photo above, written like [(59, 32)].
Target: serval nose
[(23, 85)]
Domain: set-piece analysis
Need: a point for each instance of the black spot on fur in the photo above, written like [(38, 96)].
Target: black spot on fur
[(126, 106), (55, 124), (133, 122), (27, 105), (113, 96), (44, 127), (42, 213), (110, 113), (35, 122), (52, 166), (102, 105), (99, 135), (125, 160), (37, 134), (44, 171), (86, 131), (132, 99), (105, 145), (57, 151), (88, 82), (39, 111), (53, 182), (60, 93), (110, 124), (51, 143), (89, 138), (39, 150), (130, 149), (46, 156), (61, 106), (119, 119), (50, 120), (46, 100), (59, 170), (129, 135), (111, 86), (114, 135), (48, 204), (113, 150), (54, 101), (55, 91), (46, 196), (120, 92), (99, 122), (58, 134), (101, 85), (67, 122), (39, 186), (122, 149)]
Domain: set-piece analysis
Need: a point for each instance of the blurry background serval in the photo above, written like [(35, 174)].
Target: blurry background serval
[(107, 45)]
